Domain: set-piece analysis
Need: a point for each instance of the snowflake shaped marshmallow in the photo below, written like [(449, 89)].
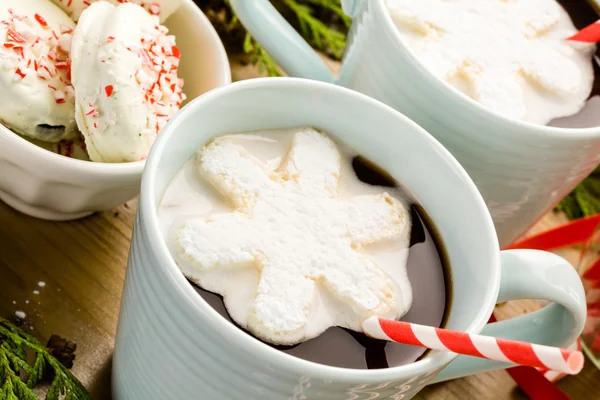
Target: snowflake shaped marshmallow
[(291, 225), (509, 55)]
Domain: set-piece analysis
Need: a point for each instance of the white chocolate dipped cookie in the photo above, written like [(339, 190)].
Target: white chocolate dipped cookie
[(161, 8), (124, 71), (291, 259), (37, 97)]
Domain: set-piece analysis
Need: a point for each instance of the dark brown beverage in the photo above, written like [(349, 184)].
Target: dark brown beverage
[(429, 275)]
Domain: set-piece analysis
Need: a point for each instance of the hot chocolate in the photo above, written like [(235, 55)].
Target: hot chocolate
[(339, 241), (510, 56)]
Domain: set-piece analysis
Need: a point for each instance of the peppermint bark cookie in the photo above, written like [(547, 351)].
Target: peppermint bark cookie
[(161, 8), (37, 96), (124, 70)]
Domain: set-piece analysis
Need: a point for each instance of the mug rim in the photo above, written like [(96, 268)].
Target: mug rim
[(476, 107), (134, 168), (148, 219)]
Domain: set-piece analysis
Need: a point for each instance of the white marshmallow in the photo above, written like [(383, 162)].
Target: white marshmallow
[(161, 8), (125, 78), (37, 97), (511, 56), (297, 243)]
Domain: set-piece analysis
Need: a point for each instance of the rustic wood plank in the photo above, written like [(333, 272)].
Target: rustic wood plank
[(83, 266)]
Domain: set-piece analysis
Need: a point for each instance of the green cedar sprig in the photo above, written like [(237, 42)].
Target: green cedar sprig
[(335, 7), (584, 200), (327, 38), (18, 376), (315, 30), (260, 57)]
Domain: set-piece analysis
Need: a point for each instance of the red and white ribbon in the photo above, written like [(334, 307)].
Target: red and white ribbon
[(589, 34), (510, 351)]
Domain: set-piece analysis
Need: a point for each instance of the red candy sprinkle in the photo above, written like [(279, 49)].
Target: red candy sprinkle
[(154, 9), (38, 51), (69, 68), (14, 36), (41, 20), (65, 29), (108, 90), (176, 52)]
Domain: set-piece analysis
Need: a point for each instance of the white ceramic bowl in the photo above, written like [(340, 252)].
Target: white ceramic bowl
[(46, 185)]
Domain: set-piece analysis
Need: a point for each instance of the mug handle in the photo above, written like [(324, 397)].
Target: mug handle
[(281, 40), (531, 274)]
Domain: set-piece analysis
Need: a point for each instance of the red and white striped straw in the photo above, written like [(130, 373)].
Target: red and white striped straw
[(510, 351), (589, 34)]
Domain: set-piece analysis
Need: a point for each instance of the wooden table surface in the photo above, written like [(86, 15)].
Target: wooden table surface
[(82, 264)]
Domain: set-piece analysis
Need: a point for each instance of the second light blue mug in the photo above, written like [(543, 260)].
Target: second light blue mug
[(522, 170), (171, 344)]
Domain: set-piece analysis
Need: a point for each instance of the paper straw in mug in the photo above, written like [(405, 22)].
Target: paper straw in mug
[(491, 348), (589, 34)]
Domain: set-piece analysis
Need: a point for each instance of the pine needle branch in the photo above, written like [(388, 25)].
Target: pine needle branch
[(18, 377), (321, 22), (260, 57), (322, 36), (335, 7), (584, 200)]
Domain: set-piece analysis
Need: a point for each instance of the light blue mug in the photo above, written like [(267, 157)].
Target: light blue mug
[(522, 170), (171, 344)]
